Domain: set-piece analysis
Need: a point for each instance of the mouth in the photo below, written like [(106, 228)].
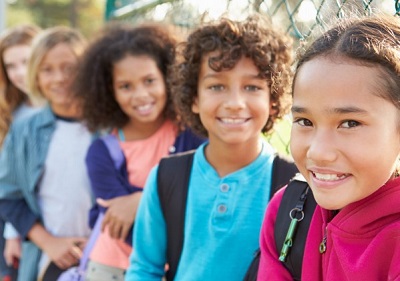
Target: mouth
[(234, 121), (328, 177), (145, 108)]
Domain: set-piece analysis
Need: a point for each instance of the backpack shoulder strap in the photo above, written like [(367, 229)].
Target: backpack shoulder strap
[(283, 170), (295, 192), (114, 149), (173, 182)]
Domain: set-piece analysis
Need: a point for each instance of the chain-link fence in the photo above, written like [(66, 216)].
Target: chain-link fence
[(300, 18)]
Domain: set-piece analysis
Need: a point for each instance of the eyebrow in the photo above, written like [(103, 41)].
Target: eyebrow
[(336, 110), (217, 74)]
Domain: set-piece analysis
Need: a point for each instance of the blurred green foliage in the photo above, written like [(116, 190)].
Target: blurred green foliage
[(86, 15)]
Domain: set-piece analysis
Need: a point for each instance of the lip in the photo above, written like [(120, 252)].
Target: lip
[(233, 121), (144, 109), (327, 179)]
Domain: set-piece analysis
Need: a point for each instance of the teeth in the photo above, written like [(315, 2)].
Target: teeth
[(329, 177), (144, 107), (233, 120)]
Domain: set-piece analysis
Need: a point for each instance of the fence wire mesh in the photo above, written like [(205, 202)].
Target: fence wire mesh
[(300, 18)]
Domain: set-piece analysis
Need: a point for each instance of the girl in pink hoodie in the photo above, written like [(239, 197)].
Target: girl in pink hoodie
[(345, 141)]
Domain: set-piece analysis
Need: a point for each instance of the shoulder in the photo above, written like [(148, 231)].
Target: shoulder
[(97, 148), (41, 118), (187, 140)]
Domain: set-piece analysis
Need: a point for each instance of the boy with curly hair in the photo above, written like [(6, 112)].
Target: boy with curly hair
[(230, 84)]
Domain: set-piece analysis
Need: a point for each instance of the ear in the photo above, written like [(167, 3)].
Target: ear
[(195, 105), (273, 109)]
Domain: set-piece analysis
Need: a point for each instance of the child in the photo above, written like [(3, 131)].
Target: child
[(15, 103), (15, 49), (345, 141), (42, 171), (122, 83), (230, 86)]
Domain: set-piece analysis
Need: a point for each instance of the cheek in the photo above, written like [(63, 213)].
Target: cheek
[(297, 147)]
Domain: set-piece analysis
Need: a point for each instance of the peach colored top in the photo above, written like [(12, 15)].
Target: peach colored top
[(141, 156)]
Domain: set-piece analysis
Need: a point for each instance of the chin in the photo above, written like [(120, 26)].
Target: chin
[(329, 204)]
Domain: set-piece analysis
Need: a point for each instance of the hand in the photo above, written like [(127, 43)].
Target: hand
[(120, 214), (64, 251), (12, 250)]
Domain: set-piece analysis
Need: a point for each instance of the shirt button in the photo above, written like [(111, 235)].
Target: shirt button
[(224, 187), (172, 149), (222, 208)]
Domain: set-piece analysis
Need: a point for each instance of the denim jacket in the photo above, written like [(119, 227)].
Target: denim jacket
[(22, 161)]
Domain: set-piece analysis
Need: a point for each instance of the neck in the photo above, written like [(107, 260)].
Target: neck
[(137, 131), (228, 159)]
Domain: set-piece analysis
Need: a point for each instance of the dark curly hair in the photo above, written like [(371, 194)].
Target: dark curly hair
[(255, 38), (94, 84)]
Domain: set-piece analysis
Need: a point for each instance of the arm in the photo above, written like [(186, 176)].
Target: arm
[(116, 197), (270, 267), (14, 206), (150, 240)]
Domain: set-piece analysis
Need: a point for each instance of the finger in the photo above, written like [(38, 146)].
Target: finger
[(115, 230), (69, 260), (76, 252), (124, 232), (103, 203), (8, 259)]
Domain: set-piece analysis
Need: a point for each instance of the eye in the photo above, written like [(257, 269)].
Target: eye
[(124, 86), (252, 88), (46, 70), (217, 87), (68, 69), (303, 122), (149, 81), (350, 124)]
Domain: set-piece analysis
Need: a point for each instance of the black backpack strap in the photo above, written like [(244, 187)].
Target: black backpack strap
[(173, 182), (283, 170), (295, 192)]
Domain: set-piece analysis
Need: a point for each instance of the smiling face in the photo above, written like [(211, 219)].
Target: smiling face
[(233, 105), (345, 138), (55, 74), (140, 90), (15, 60)]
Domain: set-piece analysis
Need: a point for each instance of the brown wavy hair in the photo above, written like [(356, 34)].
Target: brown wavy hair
[(94, 84), (10, 96), (370, 41), (254, 38)]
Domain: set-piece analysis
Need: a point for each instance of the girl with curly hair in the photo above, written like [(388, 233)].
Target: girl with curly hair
[(122, 83), (230, 84)]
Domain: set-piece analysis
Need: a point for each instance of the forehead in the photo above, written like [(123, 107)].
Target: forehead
[(61, 52), (326, 77), (325, 84), (15, 52)]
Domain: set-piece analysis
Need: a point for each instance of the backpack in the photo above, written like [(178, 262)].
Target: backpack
[(172, 192)]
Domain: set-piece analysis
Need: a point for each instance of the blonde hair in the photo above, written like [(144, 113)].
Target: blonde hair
[(45, 42), (10, 96)]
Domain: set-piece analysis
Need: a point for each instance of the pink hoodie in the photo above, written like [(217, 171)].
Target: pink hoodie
[(363, 241)]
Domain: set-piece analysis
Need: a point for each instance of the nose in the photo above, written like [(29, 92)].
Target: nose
[(235, 99), (60, 75), (139, 92), (322, 147)]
